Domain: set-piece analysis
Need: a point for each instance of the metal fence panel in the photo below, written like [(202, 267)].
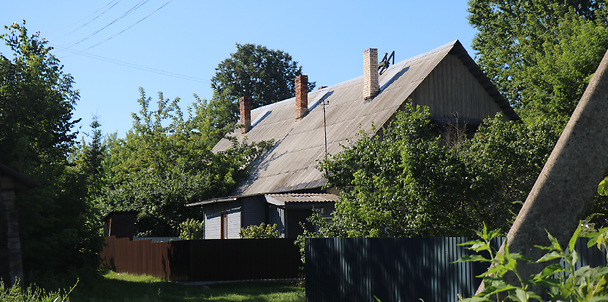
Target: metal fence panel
[(204, 260), (398, 269)]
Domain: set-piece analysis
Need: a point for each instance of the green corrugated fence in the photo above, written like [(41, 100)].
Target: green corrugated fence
[(399, 269)]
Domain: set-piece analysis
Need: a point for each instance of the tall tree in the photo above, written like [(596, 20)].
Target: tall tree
[(540, 53), (165, 162), (407, 183), (36, 104), (266, 75)]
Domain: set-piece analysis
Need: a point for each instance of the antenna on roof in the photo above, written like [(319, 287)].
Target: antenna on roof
[(325, 102), (384, 63)]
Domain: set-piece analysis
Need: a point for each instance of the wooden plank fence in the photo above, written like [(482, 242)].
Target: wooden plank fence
[(204, 260)]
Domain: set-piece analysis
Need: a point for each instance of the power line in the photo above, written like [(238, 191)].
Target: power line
[(135, 66), (135, 7), (122, 31), (89, 22)]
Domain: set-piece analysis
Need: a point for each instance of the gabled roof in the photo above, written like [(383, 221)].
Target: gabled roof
[(291, 165)]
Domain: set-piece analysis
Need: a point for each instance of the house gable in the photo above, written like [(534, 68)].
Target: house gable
[(452, 93)]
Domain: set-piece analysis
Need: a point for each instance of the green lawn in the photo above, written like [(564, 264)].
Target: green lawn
[(127, 288)]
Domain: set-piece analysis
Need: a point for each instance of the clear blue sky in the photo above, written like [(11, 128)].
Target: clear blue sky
[(112, 48)]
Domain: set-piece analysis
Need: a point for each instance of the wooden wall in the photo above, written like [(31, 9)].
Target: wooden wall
[(452, 91)]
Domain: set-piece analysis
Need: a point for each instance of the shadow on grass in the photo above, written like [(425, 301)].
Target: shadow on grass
[(107, 289)]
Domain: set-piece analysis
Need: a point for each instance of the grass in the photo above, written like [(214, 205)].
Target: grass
[(128, 288)]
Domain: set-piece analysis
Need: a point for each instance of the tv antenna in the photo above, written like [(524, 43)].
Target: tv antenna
[(325, 102), (385, 62)]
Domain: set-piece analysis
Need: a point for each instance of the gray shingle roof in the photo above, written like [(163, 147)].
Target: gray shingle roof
[(299, 145), (283, 198)]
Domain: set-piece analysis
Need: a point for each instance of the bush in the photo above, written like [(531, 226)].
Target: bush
[(262, 231), (191, 229)]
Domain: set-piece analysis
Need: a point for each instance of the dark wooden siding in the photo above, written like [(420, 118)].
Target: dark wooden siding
[(450, 90), (253, 211), (276, 215)]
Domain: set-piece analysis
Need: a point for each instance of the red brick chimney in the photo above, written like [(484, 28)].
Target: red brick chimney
[(245, 104), (301, 96), (371, 85)]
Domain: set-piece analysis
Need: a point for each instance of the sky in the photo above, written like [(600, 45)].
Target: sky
[(113, 47)]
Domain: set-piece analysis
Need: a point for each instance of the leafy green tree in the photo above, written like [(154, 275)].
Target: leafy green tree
[(266, 75), (407, 182), (562, 70), (165, 162), (262, 231), (58, 227), (540, 54)]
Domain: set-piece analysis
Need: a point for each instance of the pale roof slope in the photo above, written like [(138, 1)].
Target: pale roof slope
[(292, 163)]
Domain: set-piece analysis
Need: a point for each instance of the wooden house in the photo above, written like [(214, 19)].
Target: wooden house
[(285, 183)]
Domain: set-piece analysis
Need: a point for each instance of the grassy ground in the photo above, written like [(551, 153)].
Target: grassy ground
[(127, 288)]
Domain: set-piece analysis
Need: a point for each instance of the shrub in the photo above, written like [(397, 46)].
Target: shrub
[(191, 229), (262, 231)]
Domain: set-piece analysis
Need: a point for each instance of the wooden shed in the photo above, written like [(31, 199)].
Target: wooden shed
[(445, 79), (11, 266)]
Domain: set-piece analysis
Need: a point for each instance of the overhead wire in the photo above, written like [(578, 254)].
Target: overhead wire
[(89, 22), (135, 7), (135, 66), (111, 4), (122, 31)]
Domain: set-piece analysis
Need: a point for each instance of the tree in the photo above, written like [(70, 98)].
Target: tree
[(165, 162), (266, 75), (89, 159), (36, 105), (540, 54), (406, 182)]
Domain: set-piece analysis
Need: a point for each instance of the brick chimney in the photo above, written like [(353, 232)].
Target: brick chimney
[(301, 96), (371, 86), (245, 104)]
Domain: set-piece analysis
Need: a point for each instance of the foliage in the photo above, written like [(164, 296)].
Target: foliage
[(264, 74), (262, 231), (166, 162), (88, 158), (540, 54), (37, 101), (191, 229), (559, 279), (407, 182), (17, 293)]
